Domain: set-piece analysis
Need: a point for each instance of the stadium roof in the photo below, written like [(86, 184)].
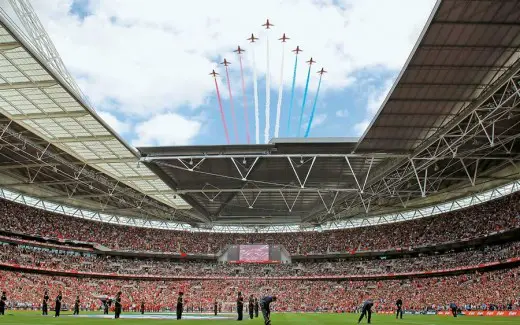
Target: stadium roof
[(464, 48), (48, 127), (448, 128)]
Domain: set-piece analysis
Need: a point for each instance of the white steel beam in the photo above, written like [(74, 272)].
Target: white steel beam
[(329, 209), (265, 189), (205, 190), (302, 184), (290, 208), (24, 85), (151, 157), (252, 203), (244, 176)]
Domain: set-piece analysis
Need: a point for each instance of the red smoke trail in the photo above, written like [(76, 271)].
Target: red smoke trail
[(245, 100), (231, 106), (222, 112)]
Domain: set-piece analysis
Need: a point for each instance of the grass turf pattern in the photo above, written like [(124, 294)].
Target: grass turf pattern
[(12, 318)]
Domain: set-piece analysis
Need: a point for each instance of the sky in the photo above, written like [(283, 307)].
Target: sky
[(144, 65)]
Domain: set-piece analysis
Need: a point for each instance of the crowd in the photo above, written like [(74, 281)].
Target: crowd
[(472, 290), (472, 222), (500, 289), (87, 262)]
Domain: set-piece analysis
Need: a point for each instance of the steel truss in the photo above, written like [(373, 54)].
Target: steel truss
[(462, 203), (487, 129), (43, 162), (90, 215), (462, 145), (244, 165), (42, 43), (366, 194)]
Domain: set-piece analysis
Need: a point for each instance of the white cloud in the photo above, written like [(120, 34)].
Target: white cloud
[(318, 120), (119, 126), (359, 128), (154, 57), (342, 113), (140, 61), (166, 129), (377, 97)]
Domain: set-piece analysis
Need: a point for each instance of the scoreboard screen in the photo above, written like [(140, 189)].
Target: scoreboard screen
[(254, 253)]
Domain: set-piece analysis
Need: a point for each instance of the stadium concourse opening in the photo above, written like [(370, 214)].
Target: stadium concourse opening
[(419, 218)]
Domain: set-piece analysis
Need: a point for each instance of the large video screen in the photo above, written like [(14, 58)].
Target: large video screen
[(254, 253)]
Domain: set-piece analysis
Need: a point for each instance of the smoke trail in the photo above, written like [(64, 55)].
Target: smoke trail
[(231, 105), (280, 94), (246, 113), (304, 98), (313, 108), (255, 92), (292, 95), (222, 111), (267, 94)]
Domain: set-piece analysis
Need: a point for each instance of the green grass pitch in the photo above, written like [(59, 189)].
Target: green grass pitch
[(12, 318)]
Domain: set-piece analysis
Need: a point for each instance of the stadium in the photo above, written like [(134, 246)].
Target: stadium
[(423, 207)]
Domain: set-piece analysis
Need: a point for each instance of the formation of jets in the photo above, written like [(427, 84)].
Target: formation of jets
[(226, 63), (283, 38), (267, 24), (253, 39), (239, 50)]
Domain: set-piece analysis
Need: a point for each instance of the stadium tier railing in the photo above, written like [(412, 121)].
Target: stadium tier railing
[(77, 246), (510, 262), (423, 212)]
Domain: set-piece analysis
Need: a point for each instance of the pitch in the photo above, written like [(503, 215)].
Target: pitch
[(12, 318)]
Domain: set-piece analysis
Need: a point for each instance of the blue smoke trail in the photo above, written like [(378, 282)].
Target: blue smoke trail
[(313, 109), (292, 95), (304, 98)]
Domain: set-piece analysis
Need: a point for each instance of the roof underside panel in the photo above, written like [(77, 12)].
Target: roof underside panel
[(468, 49), (280, 177), (34, 97), (466, 46)]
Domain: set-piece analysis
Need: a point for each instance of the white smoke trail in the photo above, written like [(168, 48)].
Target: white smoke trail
[(267, 94), (255, 90), (280, 94)]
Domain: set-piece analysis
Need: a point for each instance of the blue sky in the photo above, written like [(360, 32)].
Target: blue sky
[(145, 65)]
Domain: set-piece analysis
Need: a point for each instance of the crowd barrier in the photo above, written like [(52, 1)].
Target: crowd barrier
[(508, 313), (17, 267)]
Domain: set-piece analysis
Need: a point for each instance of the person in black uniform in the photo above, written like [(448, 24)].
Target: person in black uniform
[(76, 306), (117, 305), (251, 306), (142, 307), (240, 306), (180, 305), (265, 305), (399, 304), (215, 307), (57, 305), (366, 311), (256, 307), (3, 300), (453, 307), (45, 307), (106, 305)]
